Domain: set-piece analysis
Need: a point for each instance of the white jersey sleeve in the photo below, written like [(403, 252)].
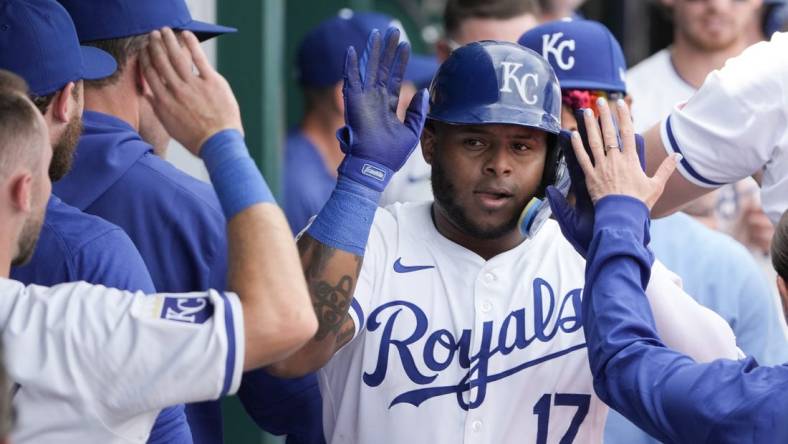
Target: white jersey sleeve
[(731, 127), (110, 355), (685, 325)]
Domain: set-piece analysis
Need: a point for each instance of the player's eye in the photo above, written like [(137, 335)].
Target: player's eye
[(521, 147), (474, 143)]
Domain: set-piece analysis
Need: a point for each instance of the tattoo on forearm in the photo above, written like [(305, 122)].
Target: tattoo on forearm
[(331, 303), (330, 297)]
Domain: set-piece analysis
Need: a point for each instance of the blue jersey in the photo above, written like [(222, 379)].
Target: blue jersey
[(306, 182), (178, 226), (664, 392), (722, 275), (74, 246)]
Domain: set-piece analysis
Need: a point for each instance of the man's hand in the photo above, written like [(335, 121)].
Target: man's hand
[(372, 131), (617, 170), (191, 106)]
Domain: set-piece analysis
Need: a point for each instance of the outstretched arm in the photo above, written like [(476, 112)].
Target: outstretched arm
[(376, 144), (662, 391), (200, 111)]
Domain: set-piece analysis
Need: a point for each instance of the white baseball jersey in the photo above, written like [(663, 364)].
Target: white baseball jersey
[(91, 364), (652, 100), (736, 124), (450, 348)]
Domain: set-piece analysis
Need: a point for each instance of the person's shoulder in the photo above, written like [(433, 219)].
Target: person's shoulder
[(657, 63), (75, 229)]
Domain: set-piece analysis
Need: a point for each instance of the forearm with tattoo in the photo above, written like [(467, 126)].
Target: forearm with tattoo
[(331, 276)]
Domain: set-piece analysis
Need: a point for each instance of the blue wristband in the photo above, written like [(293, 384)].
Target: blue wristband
[(345, 220), (366, 172), (235, 177)]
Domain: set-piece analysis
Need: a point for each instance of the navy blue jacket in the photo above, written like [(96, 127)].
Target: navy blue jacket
[(663, 392)]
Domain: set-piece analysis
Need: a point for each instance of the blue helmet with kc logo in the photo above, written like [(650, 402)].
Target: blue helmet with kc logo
[(496, 82), (492, 82)]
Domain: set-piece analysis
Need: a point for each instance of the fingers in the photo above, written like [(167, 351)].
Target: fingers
[(180, 59), (665, 170), (152, 76), (198, 55), (398, 68), (581, 155), (370, 59), (417, 112), (390, 43), (625, 128), (352, 76), (593, 135), (609, 132), (159, 59)]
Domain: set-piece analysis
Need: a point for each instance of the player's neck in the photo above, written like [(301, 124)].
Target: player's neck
[(321, 132), (486, 248), (693, 64), (114, 101)]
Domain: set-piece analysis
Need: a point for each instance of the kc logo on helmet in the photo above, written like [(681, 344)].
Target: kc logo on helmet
[(520, 82), (553, 45)]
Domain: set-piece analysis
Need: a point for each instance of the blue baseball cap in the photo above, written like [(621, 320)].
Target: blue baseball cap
[(38, 42), (583, 53), (321, 55), (115, 19)]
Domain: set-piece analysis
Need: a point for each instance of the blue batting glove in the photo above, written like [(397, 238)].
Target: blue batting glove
[(376, 144), (577, 223)]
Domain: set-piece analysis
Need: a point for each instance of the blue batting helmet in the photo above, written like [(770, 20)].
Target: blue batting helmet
[(496, 82)]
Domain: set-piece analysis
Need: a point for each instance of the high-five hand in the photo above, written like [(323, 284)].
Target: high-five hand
[(374, 141), (616, 169)]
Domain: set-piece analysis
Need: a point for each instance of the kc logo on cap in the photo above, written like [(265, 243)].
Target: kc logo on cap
[(553, 45)]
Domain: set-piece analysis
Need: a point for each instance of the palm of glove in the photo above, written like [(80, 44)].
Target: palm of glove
[(577, 223), (372, 131)]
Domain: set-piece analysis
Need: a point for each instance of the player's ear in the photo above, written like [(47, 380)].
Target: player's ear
[(62, 103), (140, 84), (20, 188), (339, 99), (428, 141)]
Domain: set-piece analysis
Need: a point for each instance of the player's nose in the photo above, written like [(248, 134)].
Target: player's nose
[(498, 161)]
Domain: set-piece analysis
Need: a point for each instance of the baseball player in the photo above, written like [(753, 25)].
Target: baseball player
[(733, 127), (92, 364), (73, 246), (664, 392), (175, 220), (454, 320)]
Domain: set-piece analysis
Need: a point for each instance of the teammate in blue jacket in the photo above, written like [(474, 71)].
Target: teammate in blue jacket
[(174, 219), (664, 392), (73, 246)]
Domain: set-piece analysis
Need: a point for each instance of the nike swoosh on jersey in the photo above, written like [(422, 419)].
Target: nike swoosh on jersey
[(399, 268), (416, 179)]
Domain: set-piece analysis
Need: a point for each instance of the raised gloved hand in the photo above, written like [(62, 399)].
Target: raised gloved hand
[(577, 223), (376, 144)]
